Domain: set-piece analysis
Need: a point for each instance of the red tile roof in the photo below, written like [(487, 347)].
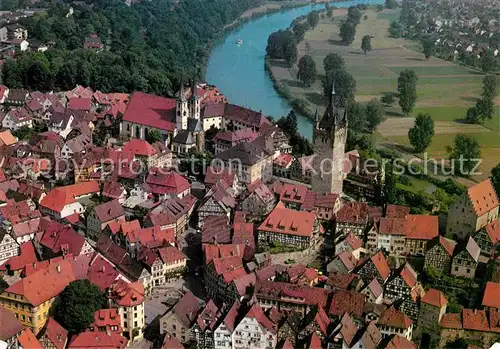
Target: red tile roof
[(209, 317), (102, 273), (243, 282), (105, 318), (451, 321), (27, 256), (394, 318), (381, 264), (44, 284), (299, 294), (62, 239), (409, 275), (400, 342), (9, 324), (152, 111), (287, 192), (139, 147), (170, 182), (187, 308), (28, 340), (171, 342), (473, 319), (80, 104), (491, 296), (290, 222), (422, 227), (56, 333), (98, 340), (216, 230), (347, 302), (257, 313), (348, 329), (353, 212), (493, 231), (326, 200), (393, 226), (348, 259), (222, 251), (243, 135), (127, 294), (340, 280), (448, 245), (109, 210), (171, 254), (230, 318), (213, 175), (435, 298), (59, 197), (483, 197), (353, 241), (397, 211), (283, 160), (152, 237)]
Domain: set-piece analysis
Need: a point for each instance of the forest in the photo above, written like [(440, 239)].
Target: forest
[(149, 45)]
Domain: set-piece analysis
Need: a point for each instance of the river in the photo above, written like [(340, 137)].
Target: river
[(238, 70)]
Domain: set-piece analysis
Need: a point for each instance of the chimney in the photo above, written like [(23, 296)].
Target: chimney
[(34, 265), (58, 268)]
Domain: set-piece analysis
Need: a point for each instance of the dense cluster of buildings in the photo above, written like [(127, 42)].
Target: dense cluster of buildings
[(120, 214)]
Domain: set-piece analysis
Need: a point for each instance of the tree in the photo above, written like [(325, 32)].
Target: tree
[(345, 86), (389, 190), (420, 135), (485, 108), (289, 123), (300, 30), (374, 114), (354, 15), (333, 61), (465, 154), (3, 285), (428, 48), (490, 86), (395, 30), (407, 89), (153, 136), (387, 98), (77, 304), (472, 116), (347, 32), (458, 343), (329, 12), (307, 70), (357, 117), (489, 62), (495, 178), (366, 43), (390, 4), (313, 19)]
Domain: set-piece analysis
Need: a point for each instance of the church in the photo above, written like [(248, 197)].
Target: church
[(329, 138)]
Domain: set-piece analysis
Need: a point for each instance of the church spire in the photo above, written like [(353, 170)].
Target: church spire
[(195, 90), (334, 116), (182, 93), (332, 95)]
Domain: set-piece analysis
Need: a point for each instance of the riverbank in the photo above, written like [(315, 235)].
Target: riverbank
[(445, 89)]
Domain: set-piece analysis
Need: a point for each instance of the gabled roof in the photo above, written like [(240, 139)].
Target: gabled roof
[(435, 298), (483, 197), (290, 222), (139, 147), (170, 254), (375, 288), (98, 340), (171, 342), (257, 313), (422, 227), (491, 297), (381, 264), (493, 231), (209, 317), (187, 309), (57, 335), (170, 182), (394, 318), (348, 329), (28, 340), (149, 110), (9, 324), (471, 247), (106, 317), (109, 210), (369, 336), (393, 226), (353, 212), (230, 318), (397, 342), (249, 154), (44, 284), (473, 319), (27, 256), (396, 211), (409, 275), (447, 244), (127, 294), (59, 197), (350, 302)]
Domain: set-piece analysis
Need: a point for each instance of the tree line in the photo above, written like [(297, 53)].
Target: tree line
[(150, 45)]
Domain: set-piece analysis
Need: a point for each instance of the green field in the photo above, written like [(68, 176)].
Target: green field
[(445, 90)]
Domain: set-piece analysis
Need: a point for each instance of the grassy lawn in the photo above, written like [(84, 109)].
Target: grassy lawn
[(389, 15), (435, 70), (448, 113)]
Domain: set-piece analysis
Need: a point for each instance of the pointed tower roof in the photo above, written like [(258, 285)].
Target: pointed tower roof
[(182, 93), (334, 116), (195, 90)]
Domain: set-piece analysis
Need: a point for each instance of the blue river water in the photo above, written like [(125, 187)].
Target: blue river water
[(238, 70)]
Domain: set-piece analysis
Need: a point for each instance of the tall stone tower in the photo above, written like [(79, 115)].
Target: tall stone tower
[(195, 101), (182, 109), (329, 138)]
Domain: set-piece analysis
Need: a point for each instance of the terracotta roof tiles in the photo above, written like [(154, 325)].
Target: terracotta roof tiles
[(56, 333), (493, 231), (347, 302), (394, 318), (473, 319), (491, 297), (483, 197), (435, 298), (422, 227), (152, 111), (9, 324), (290, 222), (28, 340)]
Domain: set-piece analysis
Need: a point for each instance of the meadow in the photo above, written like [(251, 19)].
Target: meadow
[(445, 89)]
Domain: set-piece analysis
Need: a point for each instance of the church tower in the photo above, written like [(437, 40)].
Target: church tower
[(195, 102), (329, 138), (182, 109)]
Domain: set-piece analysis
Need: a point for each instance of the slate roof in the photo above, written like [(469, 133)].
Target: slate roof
[(249, 154)]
